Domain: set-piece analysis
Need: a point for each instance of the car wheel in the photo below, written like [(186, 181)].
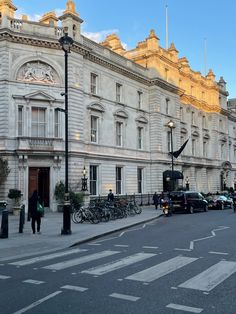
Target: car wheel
[(191, 210), (206, 208)]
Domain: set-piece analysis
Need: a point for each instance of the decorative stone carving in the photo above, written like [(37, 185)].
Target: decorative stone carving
[(37, 72)]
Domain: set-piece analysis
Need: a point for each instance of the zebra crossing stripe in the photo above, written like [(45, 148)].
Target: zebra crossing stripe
[(106, 268), (74, 288), (4, 277), (184, 308), (80, 260), (46, 257), (211, 277), (162, 269)]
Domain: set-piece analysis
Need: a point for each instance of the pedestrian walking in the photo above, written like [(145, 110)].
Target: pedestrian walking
[(34, 213), (110, 196), (155, 199)]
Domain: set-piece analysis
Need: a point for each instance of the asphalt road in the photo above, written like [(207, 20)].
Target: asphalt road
[(179, 264)]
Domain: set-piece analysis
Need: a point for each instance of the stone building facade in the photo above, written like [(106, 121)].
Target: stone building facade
[(120, 103)]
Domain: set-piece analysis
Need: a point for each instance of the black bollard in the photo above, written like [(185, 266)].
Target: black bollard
[(22, 218), (4, 224)]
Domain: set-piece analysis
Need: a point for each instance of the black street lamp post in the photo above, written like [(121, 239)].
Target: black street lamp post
[(171, 126), (66, 43)]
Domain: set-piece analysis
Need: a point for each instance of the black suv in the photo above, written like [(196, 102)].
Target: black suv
[(188, 201)]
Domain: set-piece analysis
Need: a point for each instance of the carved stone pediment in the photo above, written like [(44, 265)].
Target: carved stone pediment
[(37, 72), (121, 114), (141, 119), (38, 95), (96, 107)]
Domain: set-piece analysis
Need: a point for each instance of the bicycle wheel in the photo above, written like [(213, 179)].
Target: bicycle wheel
[(78, 217), (137, 209)]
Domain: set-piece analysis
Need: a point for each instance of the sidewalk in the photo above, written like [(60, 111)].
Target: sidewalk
[(18, 245)]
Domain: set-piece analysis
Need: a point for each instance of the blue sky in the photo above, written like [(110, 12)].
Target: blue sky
[(193, 24)]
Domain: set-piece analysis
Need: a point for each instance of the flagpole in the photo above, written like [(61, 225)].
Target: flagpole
[(171, 125), (166, 27)]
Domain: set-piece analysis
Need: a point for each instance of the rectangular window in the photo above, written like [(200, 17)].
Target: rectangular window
[(94, 129), (119, 139), (169, 141), (140, 99), (118, 180), (140, 179), (193, 118), (20, 121), (204, 122), (93, 83), (140, 137), (204, 148), (193, 147), (56, 124), (93, 180), (38, 120), (118, 92), (167, 106)]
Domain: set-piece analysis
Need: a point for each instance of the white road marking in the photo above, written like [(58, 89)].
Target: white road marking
[(129, 260), (4, 277), (46, 257), (34, 282), (31, 306), (213, 234), (187, 250), (150, 247), (184, 308), (162, 269), (74, 288), (94, 244), (124, 297), (210, 278), (220, 253), (121, 245), (80, 260)]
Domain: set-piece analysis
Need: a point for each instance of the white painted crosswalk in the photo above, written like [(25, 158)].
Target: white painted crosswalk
[(129, 260), (211, 277), (205, 280), (162, 269), (80, 260)]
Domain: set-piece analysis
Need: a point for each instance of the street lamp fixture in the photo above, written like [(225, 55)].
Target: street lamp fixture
[(171, 126), (187, 183), (84, 181), (66, 42)]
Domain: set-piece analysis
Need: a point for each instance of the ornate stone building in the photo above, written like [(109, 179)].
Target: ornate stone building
[(119, 105)]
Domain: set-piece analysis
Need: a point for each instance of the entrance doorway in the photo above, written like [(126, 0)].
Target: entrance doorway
[(39, 180)]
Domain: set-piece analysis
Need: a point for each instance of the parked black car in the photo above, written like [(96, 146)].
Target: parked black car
[(220, 202), (188, 201)]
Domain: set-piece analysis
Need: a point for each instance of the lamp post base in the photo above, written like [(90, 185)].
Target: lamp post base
[(66, 230)]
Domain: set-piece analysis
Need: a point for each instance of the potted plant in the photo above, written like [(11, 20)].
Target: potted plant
[(59, 194), (15, 195)]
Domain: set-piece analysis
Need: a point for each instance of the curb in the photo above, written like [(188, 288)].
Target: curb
[(113, 231)]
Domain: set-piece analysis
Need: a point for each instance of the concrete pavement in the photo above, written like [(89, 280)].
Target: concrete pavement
[(18, 245)]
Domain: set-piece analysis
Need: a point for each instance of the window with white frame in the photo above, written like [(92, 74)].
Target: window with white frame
[(167, 105), (118, 180), (56, 123), (222, 150), (93, 179), (38, 122), (93, 83), (140, 179), (169, 141), (119, 133), (205, 148), (193, 117), (94, 129), (20, 121), (118, 92), (140, 99), (140, 137), (193, 147)]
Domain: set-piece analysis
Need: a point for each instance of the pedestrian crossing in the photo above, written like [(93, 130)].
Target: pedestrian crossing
[(151, 267)]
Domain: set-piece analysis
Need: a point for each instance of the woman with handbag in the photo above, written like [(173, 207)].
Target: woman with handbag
[(35, 209)]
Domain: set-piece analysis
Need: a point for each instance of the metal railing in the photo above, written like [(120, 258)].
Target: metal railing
[(140, 199)]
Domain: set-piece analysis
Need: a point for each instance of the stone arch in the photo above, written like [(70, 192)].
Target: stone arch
[(46, 70)]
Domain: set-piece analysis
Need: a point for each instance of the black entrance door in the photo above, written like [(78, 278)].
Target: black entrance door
[(39, 180)]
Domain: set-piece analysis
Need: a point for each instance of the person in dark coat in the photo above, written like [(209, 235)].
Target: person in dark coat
[(34, 214), (110, 196), (155, 199)]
